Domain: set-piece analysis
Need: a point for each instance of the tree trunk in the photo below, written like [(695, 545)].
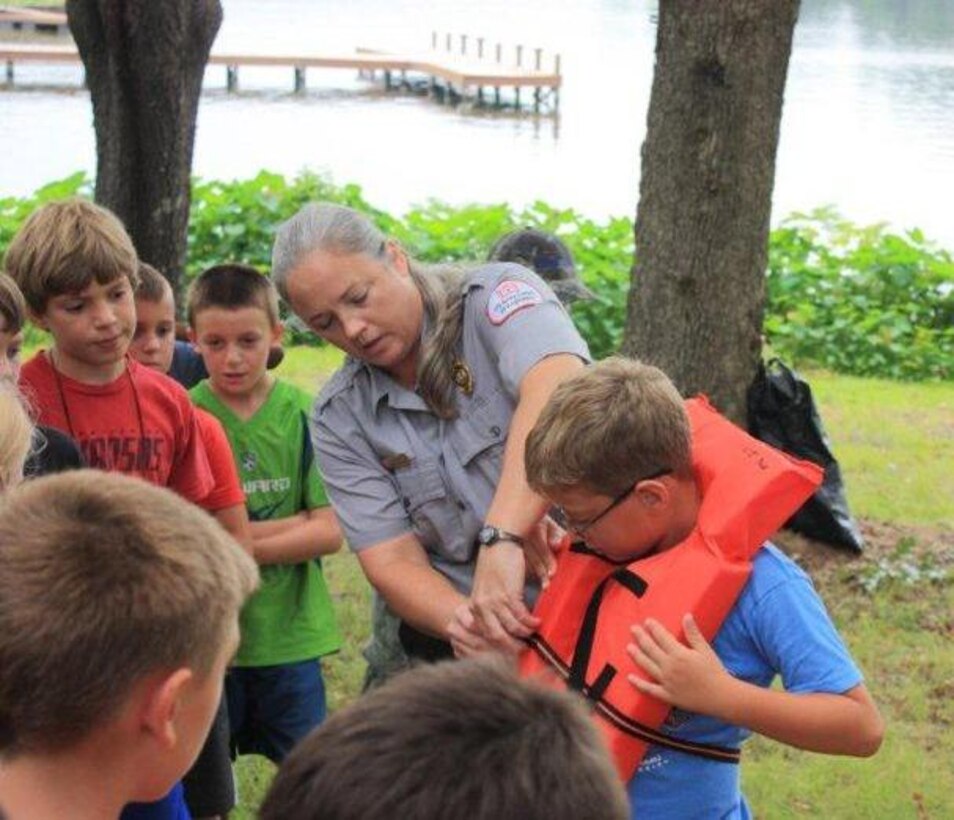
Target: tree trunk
[(144, 64), (708, 165)]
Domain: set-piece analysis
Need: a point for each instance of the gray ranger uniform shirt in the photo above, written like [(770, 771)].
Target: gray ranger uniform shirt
[(392, 466)]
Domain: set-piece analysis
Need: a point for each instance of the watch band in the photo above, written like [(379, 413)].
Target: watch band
[(490, 535)]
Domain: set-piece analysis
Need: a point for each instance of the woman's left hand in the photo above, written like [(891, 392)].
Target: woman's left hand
[(497, 596)]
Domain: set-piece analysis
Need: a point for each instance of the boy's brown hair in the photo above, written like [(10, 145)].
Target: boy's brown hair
[(12, 305), (63, 246), (152, 285), (606, 426), (232, 287), (454, 739), (104, 579)]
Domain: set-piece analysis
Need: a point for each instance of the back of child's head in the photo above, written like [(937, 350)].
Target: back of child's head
[(16, 432), (610, 423), (232, 287), (152, 285), (13, 313), (104, 580), (455, 739), (64, 246)]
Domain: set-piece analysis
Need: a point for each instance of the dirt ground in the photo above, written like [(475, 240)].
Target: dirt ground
[(921, 545)]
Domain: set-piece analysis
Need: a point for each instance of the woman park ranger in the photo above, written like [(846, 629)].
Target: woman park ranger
[(420, 434)]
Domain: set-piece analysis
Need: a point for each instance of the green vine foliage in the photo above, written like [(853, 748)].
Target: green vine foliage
[(853, 299)]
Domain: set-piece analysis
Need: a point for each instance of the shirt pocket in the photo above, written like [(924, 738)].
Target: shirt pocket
[(482, 434), (433, 514)]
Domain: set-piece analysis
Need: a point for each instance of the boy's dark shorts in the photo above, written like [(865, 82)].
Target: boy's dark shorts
[(209, 785), (271, 708)]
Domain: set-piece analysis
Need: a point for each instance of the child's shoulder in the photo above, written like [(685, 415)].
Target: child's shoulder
[(286, 393), (771, 569)]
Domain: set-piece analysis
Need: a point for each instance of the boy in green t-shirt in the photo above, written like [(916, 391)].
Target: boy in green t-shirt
[(275, 690)]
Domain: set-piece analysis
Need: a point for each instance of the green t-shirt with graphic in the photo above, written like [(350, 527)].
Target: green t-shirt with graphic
[(290, 617)]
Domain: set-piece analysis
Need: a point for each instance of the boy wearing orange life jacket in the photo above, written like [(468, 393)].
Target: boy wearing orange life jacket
[(614, 450)]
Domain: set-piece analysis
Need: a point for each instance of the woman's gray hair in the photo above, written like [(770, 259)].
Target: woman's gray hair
[(342, 230)]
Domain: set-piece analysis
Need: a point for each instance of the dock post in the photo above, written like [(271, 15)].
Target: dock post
[(536, 99), (497, 96), (10, 72), (231, 77), (499, 52), (480, 96), (463, 43), (537, 57), (519, 55), (299, 79), (387, 80), (433, 41), (480, 48), (447, 42), (516, 95)]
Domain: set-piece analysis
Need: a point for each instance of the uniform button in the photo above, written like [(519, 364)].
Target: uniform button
[(407, 502), (495, 430)]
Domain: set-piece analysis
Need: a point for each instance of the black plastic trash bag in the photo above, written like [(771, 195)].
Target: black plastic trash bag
[(782, 413)]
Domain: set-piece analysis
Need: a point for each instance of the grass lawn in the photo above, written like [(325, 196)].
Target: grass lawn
[(895, 443)]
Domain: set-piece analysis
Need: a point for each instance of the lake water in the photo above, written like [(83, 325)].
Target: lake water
[(868, 124)]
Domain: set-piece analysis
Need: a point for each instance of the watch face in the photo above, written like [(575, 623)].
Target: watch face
[(487, 536)]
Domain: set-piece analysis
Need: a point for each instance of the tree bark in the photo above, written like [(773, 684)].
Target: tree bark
[(708, 166), (144, 64)]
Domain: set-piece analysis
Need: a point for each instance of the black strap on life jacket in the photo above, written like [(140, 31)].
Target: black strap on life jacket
[(575, 673)]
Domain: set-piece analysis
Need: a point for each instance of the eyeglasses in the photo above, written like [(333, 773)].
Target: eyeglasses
[(580, 527)]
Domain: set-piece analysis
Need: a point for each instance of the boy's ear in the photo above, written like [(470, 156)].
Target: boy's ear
[(652, 492), (278, 333), (162, 701)]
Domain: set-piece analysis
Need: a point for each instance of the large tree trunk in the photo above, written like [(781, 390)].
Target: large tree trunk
[(708, 165), (144, 63)]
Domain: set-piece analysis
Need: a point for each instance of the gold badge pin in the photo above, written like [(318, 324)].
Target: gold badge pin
[(462, 376)]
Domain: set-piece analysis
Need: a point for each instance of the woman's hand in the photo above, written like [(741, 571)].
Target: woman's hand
[(691, 677), (467, 640), (497, 597)]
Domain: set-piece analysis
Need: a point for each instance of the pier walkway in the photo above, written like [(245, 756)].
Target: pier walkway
[(446, 74)]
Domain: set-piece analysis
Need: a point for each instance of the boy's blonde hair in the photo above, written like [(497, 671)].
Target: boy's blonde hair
[(104, 579), (232, 287), (12, 305), (16, 434), (607, 426), (63, 246), (152, 286)]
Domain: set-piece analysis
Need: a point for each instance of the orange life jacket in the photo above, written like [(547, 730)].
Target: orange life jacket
[(749, 490)]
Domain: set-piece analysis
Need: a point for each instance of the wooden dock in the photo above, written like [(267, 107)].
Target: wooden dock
[(445, 75), (39, 19)]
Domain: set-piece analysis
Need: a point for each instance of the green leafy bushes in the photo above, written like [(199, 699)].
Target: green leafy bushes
[(852, 299), (860, 300)]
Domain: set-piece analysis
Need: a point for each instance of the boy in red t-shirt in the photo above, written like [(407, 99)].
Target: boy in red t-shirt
[(77, 269)]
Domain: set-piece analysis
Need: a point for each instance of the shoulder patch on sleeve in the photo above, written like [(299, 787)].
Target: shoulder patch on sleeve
[(509, 297)]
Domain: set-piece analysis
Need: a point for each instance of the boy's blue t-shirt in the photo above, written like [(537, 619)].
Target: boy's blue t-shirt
[(779, 625)]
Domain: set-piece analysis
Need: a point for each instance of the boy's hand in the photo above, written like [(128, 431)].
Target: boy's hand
[(543, 543), (691, 677)]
